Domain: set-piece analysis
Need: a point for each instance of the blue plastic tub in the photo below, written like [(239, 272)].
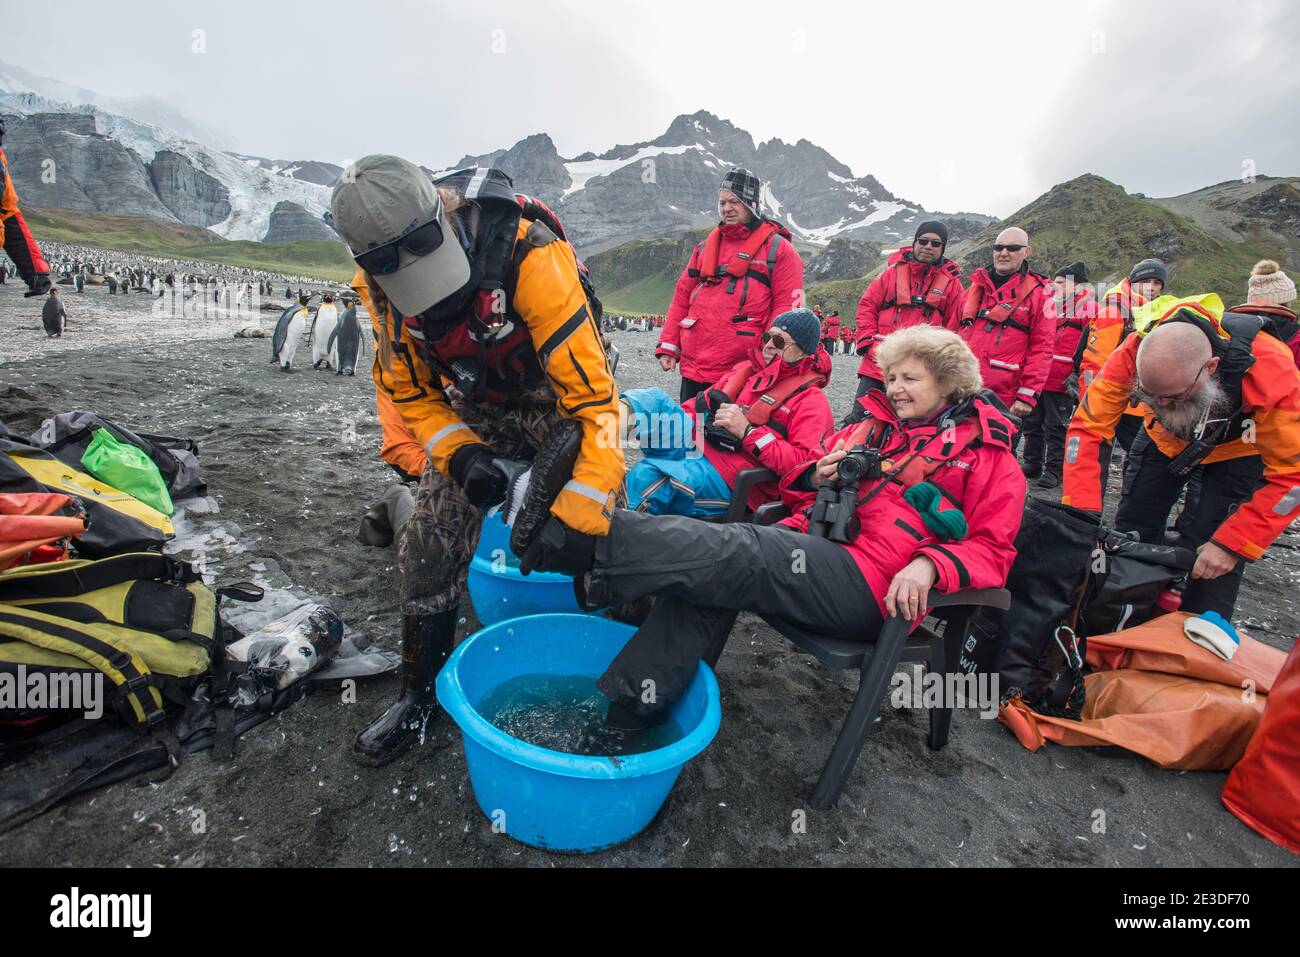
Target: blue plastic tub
[(500, 591), (552, 800)]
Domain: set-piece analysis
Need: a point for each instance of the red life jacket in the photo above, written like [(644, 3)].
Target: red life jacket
[(1002, 312), (974, 422), (712, 271), (928, 301), (760, 411), (484, 348)]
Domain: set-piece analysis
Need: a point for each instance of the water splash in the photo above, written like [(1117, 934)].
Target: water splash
[(567, 713)]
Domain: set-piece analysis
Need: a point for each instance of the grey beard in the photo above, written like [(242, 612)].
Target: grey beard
[(1181, 418)]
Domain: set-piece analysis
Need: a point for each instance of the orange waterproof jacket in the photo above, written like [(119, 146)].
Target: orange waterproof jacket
[(1114, 313), (15, 238), (548, 297), (1270, 394), (399, 446)]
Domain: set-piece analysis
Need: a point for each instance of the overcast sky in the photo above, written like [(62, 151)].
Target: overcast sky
[(958, 106)]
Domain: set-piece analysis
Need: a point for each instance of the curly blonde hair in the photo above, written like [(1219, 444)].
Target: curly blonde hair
[(941, 351)]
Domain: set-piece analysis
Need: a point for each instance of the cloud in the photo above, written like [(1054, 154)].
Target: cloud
[(957, 106), (1181, 99)]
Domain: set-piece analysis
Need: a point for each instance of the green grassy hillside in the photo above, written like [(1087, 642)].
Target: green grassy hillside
[(1094, 220), (639, 276), (153, 237)]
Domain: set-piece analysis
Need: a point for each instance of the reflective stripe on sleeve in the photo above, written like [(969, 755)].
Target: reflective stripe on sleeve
[(442, 434), (586, 491)]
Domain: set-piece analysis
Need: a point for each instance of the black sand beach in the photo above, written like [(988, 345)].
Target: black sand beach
[(292, 462)]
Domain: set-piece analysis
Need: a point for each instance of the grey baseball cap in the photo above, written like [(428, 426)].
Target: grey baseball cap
[(382, 198)]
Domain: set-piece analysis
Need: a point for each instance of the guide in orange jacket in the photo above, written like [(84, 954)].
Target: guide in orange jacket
[(745, 274), (1186, 368), (15, 237), (489, 350)]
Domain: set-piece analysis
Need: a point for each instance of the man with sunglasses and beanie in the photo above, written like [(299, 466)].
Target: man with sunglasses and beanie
[(1005, 320), (745, 273), (1224, 401), (15, 237), (488, 347), (919, 286)]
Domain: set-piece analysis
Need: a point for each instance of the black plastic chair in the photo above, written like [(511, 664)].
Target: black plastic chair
[(746, 479), (877, 660)]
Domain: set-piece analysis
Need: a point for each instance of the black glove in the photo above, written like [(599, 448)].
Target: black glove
[(39, 285), (713, 400), (483, 477), (720, 438), (559, 548)]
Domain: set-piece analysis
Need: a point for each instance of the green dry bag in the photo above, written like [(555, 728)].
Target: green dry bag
[(127, 468)]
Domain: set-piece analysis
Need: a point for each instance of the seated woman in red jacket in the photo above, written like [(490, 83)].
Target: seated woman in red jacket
[(767, 412), (938, 496)]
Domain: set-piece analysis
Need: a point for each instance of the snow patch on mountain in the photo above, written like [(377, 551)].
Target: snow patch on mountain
[(824, 234), (583, 172), (254, 192)]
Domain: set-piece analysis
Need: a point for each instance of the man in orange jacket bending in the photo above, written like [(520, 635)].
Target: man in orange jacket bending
[(1225, 398)]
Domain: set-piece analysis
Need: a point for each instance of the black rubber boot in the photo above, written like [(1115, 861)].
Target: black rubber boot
[(426, 643), (551, 469)]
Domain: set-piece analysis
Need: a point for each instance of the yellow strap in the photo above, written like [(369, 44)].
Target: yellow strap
[(59, 475), (32, 634)]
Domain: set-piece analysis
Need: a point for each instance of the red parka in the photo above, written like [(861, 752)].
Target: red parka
[(711, 326), (1015, 353), (831, 326), (794, 429), (974, 468), (1072, 319), (879, 312)]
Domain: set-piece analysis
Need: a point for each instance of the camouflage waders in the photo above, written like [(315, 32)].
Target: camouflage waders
[(435, 547)]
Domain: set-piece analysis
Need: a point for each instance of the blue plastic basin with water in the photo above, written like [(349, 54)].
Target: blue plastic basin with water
[(552, 800), (500, 591)]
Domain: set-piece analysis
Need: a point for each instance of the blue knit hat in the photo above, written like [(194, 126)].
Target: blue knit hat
[(804, 328)]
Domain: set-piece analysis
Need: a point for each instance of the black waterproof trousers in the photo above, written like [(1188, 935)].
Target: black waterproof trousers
[(1044, 430), (701, 574), (1151, 494), (691, 388)]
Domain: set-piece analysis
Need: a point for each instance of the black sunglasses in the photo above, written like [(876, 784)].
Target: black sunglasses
[(936, 243), (777, 340), (384, 260), (1007, 247)]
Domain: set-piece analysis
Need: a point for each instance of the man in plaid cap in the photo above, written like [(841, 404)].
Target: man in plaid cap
[(744, 274)]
